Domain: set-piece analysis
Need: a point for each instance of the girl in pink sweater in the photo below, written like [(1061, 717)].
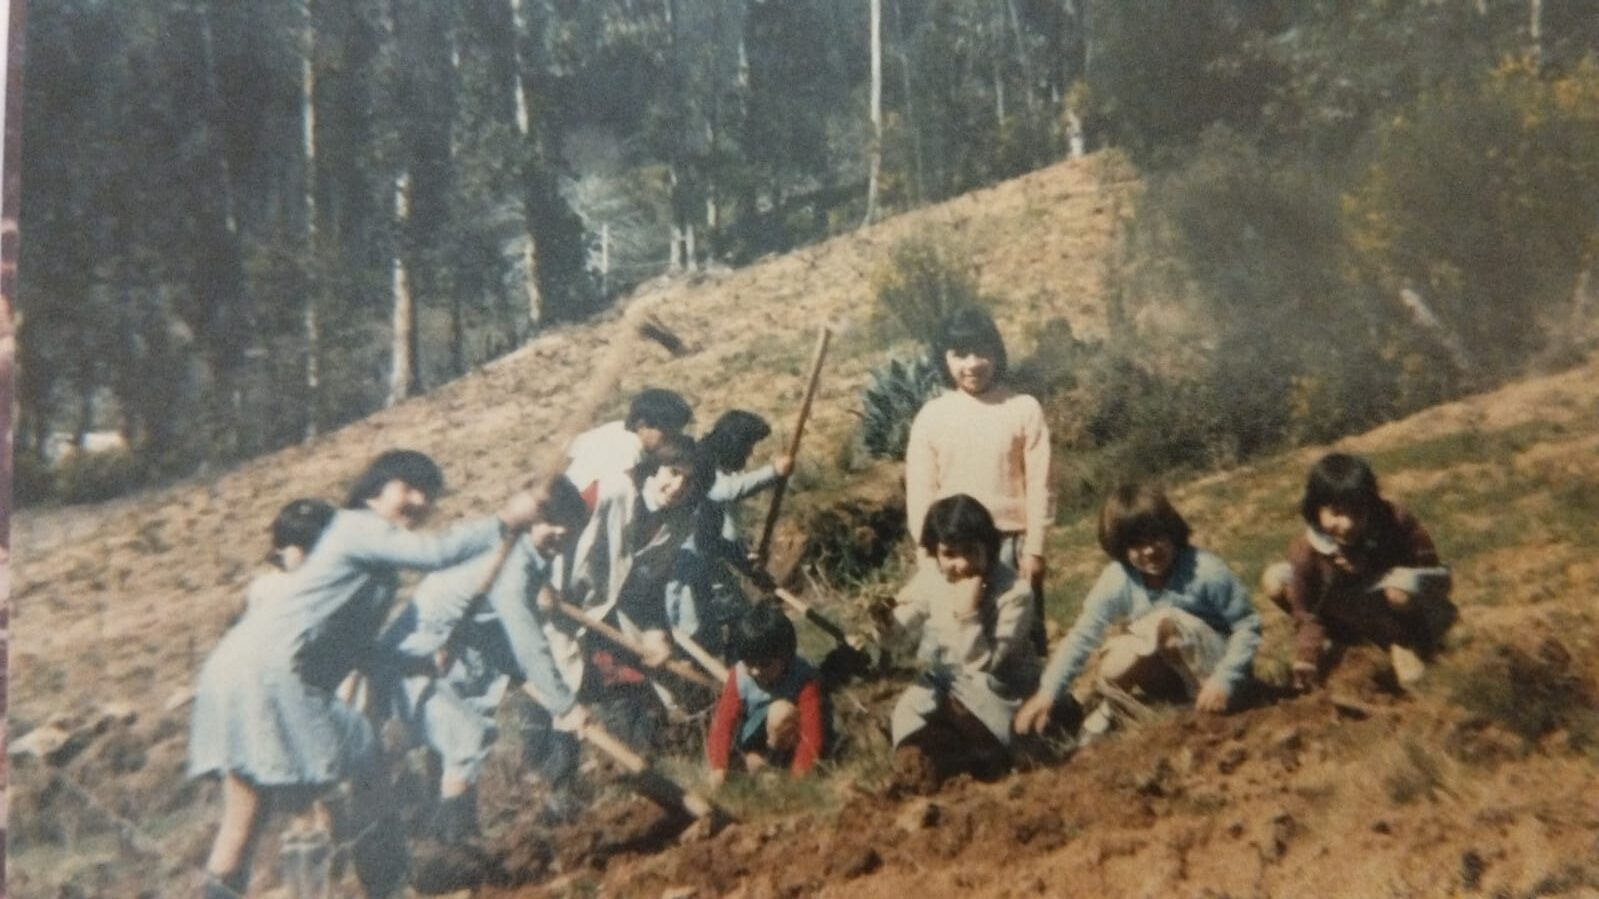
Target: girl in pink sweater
[(981, 439)]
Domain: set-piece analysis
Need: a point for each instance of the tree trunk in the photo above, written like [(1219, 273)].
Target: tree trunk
[(1535, 33), (524, 127), (402, 376), (313, 349), (874, 153)]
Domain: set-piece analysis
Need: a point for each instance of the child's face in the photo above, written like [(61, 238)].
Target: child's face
[(960, 561), (667, 486), (400, 503), (971, 371), (549, 539), (767, 672), (1343, 524), (291, 557), (650, 437), (1152, 557)]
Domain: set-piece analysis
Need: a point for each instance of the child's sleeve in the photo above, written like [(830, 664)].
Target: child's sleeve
[(1420, 552), (730, 488), (921, 473), (1013, 623), (724, 722), (513, 598), (591, 558), (1106, 601), (440, 602), (369, 539), (1036, 462), (1232, 599), (911, 607), (811, 728)]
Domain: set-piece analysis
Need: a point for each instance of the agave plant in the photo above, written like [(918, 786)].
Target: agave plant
[(890, 402)]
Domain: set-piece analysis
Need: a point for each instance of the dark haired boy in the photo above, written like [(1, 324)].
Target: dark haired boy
[(1191, 626), (654, 415), (1364, 570), (770, 710)]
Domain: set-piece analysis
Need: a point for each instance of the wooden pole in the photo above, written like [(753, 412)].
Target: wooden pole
[(824, 334), (815, 617), (709, 662), (677, 666), (655, 783)]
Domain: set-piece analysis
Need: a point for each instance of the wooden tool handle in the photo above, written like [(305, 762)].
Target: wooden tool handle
[(824, 335), (677, 666)]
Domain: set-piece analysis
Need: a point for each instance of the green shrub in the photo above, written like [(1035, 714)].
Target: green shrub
[(31, 479), (889, 403), (923, 282), (92, 477)]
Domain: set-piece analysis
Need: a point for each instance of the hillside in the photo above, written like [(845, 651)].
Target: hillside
[(1481, 782), (120, 603)]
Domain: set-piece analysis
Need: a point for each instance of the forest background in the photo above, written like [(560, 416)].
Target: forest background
[(249, 223)]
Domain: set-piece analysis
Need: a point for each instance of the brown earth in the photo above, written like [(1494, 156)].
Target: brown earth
[(1352, 791)]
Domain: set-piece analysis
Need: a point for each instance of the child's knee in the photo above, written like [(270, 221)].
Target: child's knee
[(1274, 582)]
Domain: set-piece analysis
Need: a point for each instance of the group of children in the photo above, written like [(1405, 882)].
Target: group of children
[(638, 535)]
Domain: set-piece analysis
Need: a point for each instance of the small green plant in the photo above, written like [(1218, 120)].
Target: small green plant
[(923, 282), (92, 477), (893, 396)]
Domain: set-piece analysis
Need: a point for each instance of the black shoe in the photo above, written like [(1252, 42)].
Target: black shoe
[(231, 886), (455, 820)]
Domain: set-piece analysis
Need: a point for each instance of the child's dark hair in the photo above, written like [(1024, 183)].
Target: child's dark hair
[(960, 520), (969, 330), (763, 633), (732, 437), (657, 407), (300, 523), (679, 451), (415, 469), (563, 504), (1136, 515), (1340, 480)]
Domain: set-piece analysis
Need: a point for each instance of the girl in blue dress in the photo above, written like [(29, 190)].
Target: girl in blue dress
[(266, 717)]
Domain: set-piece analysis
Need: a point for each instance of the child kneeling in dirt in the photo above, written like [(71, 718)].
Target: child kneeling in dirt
[(973, 616), (771, 708), (1364, 570), (1191, 625)]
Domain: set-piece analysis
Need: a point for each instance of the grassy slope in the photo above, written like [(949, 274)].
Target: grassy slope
[(1481, 783), (122, 602)]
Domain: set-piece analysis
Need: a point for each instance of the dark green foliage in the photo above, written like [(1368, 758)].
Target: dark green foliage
[(91, 477), (924, 281), (889, 403), (1531, 694)]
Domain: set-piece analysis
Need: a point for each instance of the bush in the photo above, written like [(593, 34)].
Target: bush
[(31, 479), (93, 477), (890, 401), (924, 282)]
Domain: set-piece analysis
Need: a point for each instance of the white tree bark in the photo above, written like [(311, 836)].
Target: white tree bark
[(874, 157), (524, 127), (313, 349), (402, 374)]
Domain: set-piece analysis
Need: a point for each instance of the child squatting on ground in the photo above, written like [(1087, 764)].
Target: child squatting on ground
[(973, 617), (1191, 627), (1364, 570), (455, 652), (266, 717), (770, 710)]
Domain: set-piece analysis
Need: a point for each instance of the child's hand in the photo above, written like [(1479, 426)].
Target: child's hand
[(1304, 676), (1212, 698), (783, 465), (657, 649), (968, 593), (1033, 716), (754, 761), (1398, 600), (547, 600), (520, 511), (1031, 568), (716, 778)]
